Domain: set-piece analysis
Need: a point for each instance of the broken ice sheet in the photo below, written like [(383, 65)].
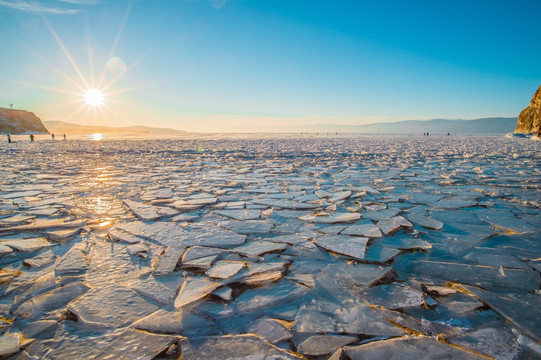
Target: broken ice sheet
[(366, 229), (224, 269), (198, 252), (113, 307), (425, 221), (380, 254), (317, 345), (26, 245), (263, 278), (347, 245), (109, 263), (503, 219), (169, 260), (291, 178), (236, 347), (41, 260), (270, 295), (351, 317), (331, 219), (160, 289), (9, 342), (454, 203), (182, 322), (498, 343), (493, 257), (62, 235), (408, 348), (240, 215), (211, 235), (161, 232), (381, 214), (195, 288), (290, 239), (388, 226), (16, 220), (394, 296), (47, 224), (248, 227), (51, 300), (73, 262), (405, 243), (270, 329), (491, 278), (521, 309), (258, 248), (142, 211)]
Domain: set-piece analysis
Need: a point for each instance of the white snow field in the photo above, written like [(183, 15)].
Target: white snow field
[(278, 247)]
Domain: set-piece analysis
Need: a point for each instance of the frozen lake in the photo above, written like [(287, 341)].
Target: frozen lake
[(272, 246)]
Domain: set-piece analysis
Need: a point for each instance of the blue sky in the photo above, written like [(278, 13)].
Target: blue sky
[(255, 65)]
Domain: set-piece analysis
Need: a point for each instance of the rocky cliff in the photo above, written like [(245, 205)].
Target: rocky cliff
[(20, 122), (529, 119)]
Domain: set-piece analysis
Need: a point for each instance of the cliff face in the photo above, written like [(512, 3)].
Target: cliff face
[(529, 119), (20, 121)]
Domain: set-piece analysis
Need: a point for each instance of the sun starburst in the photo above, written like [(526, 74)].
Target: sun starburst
[(93, 97), (90, 91)]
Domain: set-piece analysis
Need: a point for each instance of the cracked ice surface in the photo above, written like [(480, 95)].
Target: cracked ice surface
[(278, 247)]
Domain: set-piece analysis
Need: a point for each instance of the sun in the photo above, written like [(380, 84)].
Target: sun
[(93, 97)]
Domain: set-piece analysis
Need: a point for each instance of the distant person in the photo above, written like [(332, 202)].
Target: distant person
[(64, 136), (52, 136), (31, 138), (427, 134), (448, 134), (9, 139)]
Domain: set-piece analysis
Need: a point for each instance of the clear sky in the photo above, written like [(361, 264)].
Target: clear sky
[(253, 65)]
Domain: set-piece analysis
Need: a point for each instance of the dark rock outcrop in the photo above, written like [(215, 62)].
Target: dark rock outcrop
[(20, 122), (529, 120)]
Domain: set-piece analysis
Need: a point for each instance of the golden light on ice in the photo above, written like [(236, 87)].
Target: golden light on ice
[(93, 97), (97, 137)]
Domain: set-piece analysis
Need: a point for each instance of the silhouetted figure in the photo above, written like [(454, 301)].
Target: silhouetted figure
[(448, 134), (52, 136), (64, 136), (9, 139), (427, 134), (31, 138)]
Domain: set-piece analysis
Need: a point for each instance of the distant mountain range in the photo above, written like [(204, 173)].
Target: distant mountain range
[(496, 125), (61, 127)]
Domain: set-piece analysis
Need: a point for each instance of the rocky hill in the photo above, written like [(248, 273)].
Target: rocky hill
[(529, 120), (19, 122)]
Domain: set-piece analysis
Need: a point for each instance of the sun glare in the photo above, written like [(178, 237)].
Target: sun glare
[(97, 137), (93, 97)]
